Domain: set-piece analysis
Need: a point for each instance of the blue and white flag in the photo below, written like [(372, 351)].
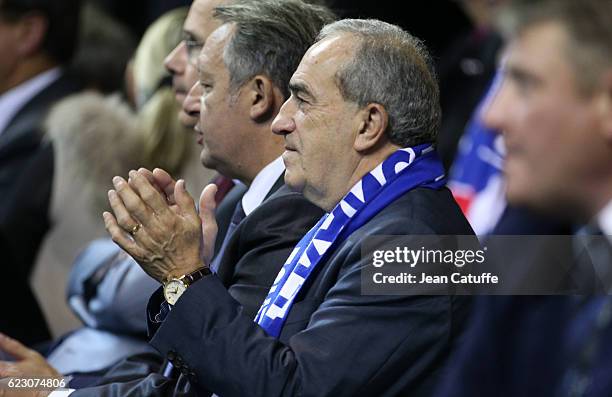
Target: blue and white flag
[(476, 177)]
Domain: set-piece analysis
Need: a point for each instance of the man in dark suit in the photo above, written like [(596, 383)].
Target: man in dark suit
[(253, 249), (268, 218), (36, 39), (360, 147), (555, 110)]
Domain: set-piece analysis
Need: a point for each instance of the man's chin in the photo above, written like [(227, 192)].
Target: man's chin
[(295, 184), (518, 195), (213, 163), (542, 202), (206, 160)]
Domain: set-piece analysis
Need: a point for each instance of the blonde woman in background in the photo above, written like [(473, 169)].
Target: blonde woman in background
[(96, 137)]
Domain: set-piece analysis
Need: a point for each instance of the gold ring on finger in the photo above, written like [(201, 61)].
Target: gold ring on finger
[(135, 229)]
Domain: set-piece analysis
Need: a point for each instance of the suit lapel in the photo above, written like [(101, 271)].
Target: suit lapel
[(228, 204), (226, 271), (277, 185), (225, 210)]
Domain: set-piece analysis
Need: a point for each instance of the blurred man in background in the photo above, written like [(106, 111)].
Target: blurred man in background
[(554, 107), (37, 38)]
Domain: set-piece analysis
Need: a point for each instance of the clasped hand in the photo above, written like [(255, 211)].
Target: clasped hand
[(155, 221)]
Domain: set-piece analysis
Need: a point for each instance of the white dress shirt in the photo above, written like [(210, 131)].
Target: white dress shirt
[(261, 185), (604, 220)]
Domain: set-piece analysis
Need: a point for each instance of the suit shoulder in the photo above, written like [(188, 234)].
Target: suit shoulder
[(422, 211), (285, 201)]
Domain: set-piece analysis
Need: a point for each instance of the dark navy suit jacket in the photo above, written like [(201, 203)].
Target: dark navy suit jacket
[(530, 345), (335, 341)]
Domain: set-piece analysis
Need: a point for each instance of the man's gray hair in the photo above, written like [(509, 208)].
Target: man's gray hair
[(394, 69), (271, 38)]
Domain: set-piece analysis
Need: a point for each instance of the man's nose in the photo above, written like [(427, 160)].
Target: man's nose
[(191, 104), (284, 124), (175, 61)]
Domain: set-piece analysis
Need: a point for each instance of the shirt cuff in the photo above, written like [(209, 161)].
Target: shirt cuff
[(164, 309)]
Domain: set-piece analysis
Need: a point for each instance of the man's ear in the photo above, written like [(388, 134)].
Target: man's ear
[(373, 121), (32, 31), (261, 97)]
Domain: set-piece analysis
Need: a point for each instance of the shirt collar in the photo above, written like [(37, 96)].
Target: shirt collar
[(14, 99), (261, 185), (604, 220)]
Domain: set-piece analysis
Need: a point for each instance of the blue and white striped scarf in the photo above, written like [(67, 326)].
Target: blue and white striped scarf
[(404, 170)]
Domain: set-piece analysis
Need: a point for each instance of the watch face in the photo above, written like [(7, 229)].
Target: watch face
[(173, 290)]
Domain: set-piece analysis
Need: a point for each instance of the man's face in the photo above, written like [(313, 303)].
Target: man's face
[(319, 126), (550, 127), (181, 62), (223, 123)]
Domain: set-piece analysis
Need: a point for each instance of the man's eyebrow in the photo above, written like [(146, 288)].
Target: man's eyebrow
[(517, 73), (300, 88), (187, 35)]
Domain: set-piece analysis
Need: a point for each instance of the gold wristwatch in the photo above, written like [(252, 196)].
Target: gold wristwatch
[(174, 288)]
